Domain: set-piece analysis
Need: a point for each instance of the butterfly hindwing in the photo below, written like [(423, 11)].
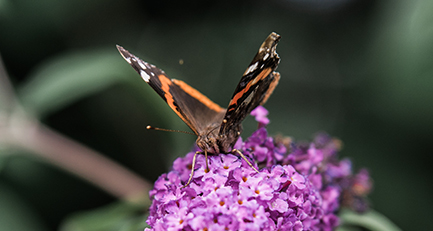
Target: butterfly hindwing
[(199, 109), (195, 109)]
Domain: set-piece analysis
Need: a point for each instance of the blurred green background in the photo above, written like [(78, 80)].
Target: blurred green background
[(361, 70)]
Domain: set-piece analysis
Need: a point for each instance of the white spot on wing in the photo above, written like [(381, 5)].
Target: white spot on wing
[(142, 65), (145, 76), (251, 68), (266, 56)]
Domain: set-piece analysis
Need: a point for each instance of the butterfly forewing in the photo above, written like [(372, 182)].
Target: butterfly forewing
[(195, 109), (254, 88)]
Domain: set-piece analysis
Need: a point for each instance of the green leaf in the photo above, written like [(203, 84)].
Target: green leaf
[(124, 216), (371, 220), (70, 77), (137, 224), (15, 215), (349, 228)]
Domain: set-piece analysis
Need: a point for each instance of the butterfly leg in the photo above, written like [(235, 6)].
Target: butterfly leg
[(207, 166), (192, 169), (243, 157)]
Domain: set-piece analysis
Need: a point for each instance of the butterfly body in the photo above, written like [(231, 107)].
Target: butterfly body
[(217, 129)]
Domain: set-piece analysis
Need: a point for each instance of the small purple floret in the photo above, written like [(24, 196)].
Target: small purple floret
[(261, 115)]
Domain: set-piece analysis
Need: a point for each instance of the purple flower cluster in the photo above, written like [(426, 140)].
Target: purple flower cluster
[(299, 187)]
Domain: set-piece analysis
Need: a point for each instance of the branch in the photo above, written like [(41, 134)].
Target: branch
[(20, 131), (79, 160)]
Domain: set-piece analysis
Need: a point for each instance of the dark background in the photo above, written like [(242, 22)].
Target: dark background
[(360, 70)]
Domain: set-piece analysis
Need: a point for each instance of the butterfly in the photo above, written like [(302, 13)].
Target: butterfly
[(217, 129)]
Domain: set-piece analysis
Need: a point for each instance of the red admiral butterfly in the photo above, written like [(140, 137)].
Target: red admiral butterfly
[(217, 128)]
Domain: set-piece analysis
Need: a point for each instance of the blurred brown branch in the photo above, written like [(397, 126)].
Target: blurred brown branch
[(20, 131)]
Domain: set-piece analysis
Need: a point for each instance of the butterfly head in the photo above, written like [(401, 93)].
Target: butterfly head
[(208, 142), (214, 142)]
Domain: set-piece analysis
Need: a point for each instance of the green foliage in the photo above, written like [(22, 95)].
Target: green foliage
[(15, 215), (370, 220), (119, 216), (71, 77)]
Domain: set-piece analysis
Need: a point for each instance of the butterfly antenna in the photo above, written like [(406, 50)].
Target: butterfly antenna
[(167, 130)]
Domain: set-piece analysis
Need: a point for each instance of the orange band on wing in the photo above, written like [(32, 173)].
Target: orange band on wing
[(198, 96), (165, 86), (271, 88), (259, 77)]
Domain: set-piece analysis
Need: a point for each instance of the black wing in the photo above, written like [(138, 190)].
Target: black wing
[(254, 88)]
